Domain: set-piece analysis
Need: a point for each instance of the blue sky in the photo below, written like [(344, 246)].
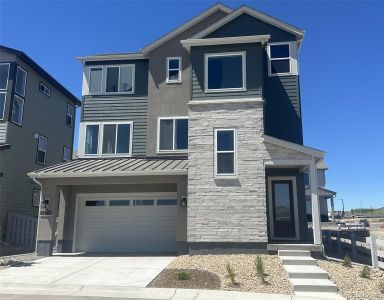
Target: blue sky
[(341, 67)]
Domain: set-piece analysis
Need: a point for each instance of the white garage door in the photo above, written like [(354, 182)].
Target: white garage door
[(127, 224)]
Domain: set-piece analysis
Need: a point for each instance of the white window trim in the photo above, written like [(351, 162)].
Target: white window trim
[(69, 150), (99, 153), (234, 151), (43, 150), (101, 81), (5, 100), (118, 82), (208, 55), (22, 111), (9, 67), (46, 90), (292, 60), (169, 69), (173, 137), (25, 80), (66, 114)]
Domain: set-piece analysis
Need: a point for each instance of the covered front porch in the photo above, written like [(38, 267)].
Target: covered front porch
[(286, 200)]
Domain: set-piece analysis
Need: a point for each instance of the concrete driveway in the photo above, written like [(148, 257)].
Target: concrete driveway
[(87, 270)]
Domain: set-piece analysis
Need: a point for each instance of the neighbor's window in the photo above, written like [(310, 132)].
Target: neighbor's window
[(44, 89), (95, 80), (91, 139), (4, 74), (66, 154), (120, 79), (173, 134), (69, 115), (17, 110), (21, 80), (36, 197), (117, 139), (173, 69), (279, 59), (41, 150), (2, 105), (225, 151), (225, 72)]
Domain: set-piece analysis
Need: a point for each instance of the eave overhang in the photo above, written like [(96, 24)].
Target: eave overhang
[(226, 40)]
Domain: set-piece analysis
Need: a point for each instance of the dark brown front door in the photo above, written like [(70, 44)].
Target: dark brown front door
[(283, 209)]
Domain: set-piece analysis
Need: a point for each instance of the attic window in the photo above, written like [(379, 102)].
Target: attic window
[(279, 59), (44, 89)]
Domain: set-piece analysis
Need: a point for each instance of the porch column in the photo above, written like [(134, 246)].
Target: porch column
[(317, 239), (332, 210)]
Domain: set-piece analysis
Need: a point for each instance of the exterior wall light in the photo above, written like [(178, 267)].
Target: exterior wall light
[(184, 201)]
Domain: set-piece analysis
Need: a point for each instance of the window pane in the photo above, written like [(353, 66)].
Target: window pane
[(225, 72), (173, 64), (173, 75), (282, 201), (119, 203), (69, 116), (40, 157), (280, 66), (181, 136), (279, 51), (67, 154), (126, 79), (167, 202), (36, 197), (20, 81), (95, 203), (2, 105), (225, 140), (42, 144), (112, 79), (225, 163), (95, 80), (166, 134), (92, 139), (109, 139), (4, 69), (123, 138), (17, 110)]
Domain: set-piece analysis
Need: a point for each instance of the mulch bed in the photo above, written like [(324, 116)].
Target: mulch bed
[(199, 280)]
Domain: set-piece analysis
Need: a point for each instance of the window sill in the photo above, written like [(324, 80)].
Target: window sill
[(172, 152), (229, 90), (173, 82)]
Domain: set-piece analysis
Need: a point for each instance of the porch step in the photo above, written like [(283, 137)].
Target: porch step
[(300, 271), (294, 253), (307, 247), (313, 285), (319, 296), (298, 260)]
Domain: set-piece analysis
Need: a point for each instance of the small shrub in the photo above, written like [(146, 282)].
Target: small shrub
[(365, 272), (183, 276), (347, 262), (381, 286), (260, 269), (231, 274)]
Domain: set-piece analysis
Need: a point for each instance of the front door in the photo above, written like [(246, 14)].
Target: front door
[(283, 214)]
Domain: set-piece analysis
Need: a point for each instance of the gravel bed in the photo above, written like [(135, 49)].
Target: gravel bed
[(17, 260), (349, 282), (245, 269)]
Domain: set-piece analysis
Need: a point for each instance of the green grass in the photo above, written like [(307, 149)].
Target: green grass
[(183, 276), (231, 274), (347, 262), (365, 272), (260, 269)]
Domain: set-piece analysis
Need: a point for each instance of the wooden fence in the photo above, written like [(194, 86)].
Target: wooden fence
[(21, 230), (377, 251)]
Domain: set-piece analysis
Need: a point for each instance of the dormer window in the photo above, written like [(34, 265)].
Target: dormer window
[(173, 69), (281, 59), (225, 72)]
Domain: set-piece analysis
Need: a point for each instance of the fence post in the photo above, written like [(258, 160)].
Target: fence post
[(338, 243), (373, 245), (353, 244)]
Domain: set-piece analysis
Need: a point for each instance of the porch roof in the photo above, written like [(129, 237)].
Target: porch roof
[(114, 167), (323, 192)]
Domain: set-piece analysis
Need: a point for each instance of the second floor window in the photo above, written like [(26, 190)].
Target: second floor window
[(69, 115), (4, 74), (108, 139), (17, 110), (44, 89), (225, 152), (173, 69), (173, 134), (279, 59), (225, 72), (21, 80), (41, 150), (120, 79), (95, 80), (2, 105)]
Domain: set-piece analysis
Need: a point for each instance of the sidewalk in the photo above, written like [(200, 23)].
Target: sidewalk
[(71, 292)]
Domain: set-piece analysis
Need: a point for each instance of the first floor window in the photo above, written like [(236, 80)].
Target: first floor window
[(17, 110), (4, 74), (36, 197), (279, 59), (173, 69), (69, 115), (2, 105), (91, 139), (66, 154), (225, 71), (41, 149), (225, 151), (173, 134), (21, 80), (120, 79)]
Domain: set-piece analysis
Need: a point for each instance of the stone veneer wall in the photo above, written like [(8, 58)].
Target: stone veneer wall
[(233, 209)]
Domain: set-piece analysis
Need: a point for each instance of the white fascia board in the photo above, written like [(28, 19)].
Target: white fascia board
[(111, 57), (254, 13), (186, 26), (296, 147), (225, 101), (226, 40)]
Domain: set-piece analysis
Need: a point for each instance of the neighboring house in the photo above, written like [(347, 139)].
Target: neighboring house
[(324, 194), (37, 116), (192, 144)]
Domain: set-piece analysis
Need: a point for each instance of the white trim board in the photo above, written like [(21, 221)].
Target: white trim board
[(226, 40)]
